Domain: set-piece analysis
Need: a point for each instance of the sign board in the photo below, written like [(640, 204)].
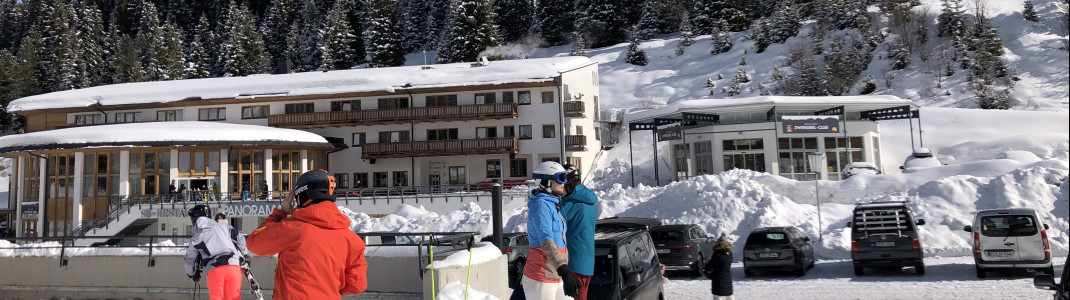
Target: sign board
[(669, 132), (437, 166), (30, 210), (810, 124), (248, 208)]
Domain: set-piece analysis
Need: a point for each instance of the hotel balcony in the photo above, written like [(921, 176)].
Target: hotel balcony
[(440, 148), (575, 143), (398, 115), (575, 109)]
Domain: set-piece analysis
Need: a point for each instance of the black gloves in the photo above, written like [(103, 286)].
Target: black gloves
[(569, 281), (196, 276)]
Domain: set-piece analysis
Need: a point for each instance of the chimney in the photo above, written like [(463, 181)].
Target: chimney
[(282, 65)]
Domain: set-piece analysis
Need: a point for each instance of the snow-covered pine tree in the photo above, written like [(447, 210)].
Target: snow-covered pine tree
[(8, 70), (950, 22), (736, 15), (899, 53), (602, 22), (785, 22), (310, 22), (28, 79), (869, 85), (276, 27), (473, 31), (93, 38), (514, 18), (650, 20), (211, 43), (197, 63), (760, 35), (554, 20), (71, 73), (1029, 13), (358, 17), (704, 15), (128, 61), (171, 60), (150, 34), (579, 48), (838, 73), (635, 55), (382, 38), (741, 76), (810, 82), (720, 40), (243, 52), (687, 34), (336, 38)]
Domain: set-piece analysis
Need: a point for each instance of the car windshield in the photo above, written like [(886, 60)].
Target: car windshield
[(767, 238), (667, 236), (1008, 225), (604, 266)]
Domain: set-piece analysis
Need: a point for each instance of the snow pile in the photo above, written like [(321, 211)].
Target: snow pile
[(458, 290), (53, 249)]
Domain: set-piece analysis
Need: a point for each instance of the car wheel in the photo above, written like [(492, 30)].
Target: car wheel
[(801, 271), (697, 271), (748, 273), (920, 268), (858, 271)]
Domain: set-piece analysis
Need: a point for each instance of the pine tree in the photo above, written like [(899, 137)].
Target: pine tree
[(127, 61), (602, 21), (243, 51), (72, 73), (93, 39), (381, 35), (553, 21), (721, 41), (579, 48), (28, 80), (785, 22), (760, 34), (309, 53), (171, 59), (8, 70), (1028, 13), (950, 21), (276, 26), (687, 36), (472, 31), (737, 83), (635, 55), (514, 18), (336, 40), (736, 15), (211, 43), (197, 63), (705, 15), (810, 82), (650, 22), (150, 34)]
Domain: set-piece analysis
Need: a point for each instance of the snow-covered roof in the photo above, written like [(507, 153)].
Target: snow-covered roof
[(308, 83), (190, 133), (765, 103)]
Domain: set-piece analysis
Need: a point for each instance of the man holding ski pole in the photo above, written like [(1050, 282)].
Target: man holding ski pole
[(218, 248)]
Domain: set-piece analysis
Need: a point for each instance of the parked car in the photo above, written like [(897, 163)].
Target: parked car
[(885, 234), (638, 223), (858, 168), (921, 158), (1011, 239), (385, 238), (777, 249), (516, 248), (1047, 282), (682, 247), (626, 266)]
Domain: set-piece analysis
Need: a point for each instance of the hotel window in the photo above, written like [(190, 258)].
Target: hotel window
[(579, 130), (127, 117), (300, 108), (485, 98), (548, 131), (518, 167), (441, 100), (382, 179), (486, 132), (360, 180), (508, 131), (347, 105), (358, 139), (442, 134), (167, 115), (523, 97), (494, 168), (254, 112), (547, 97), (88, 119), (212, 114), (525, 132), (458, 175), (507, 97), (401, 178), (792, 157), (388, 103), (393, 136), (341, 180)]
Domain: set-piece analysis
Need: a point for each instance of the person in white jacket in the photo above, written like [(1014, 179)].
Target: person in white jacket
[(219, 248)]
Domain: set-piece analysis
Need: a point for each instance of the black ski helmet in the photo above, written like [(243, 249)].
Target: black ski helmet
[(313, 187), (199, 211)]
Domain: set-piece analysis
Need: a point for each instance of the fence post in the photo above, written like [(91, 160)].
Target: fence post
[(496, 211)]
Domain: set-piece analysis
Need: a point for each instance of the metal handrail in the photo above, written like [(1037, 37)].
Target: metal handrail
[(64, 245)]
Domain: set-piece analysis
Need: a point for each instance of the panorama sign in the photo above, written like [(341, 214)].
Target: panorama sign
[(251, 208)]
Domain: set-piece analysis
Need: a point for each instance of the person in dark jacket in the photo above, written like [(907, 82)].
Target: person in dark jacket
[(719, 269), (578, 208)]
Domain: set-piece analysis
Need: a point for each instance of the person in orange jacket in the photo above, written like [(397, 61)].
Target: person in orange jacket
[(319, 256)]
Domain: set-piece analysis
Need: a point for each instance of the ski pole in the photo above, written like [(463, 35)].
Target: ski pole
[(468, 277), (431, 247)]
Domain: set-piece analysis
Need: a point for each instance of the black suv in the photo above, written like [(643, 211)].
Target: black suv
[(625, 266), (682, 247), (777, 249), (885, 234), (1047, 282)]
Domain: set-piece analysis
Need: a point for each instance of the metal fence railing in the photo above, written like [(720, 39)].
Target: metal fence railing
[(32, 244)]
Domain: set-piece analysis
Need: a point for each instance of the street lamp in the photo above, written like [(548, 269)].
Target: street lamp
[(815, 159)]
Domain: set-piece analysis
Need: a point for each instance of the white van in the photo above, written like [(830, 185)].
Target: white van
[(1011, 238)]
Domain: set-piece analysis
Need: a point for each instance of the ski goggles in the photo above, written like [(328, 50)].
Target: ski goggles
[(561, 177)]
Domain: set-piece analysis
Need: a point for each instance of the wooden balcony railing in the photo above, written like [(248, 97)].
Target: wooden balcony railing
[(396, 115), (576, 143), (575, 109), (440, 148)]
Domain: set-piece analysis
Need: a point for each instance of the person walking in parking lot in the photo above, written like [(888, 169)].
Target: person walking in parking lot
[(319, 256), (546, 274), (719, 269), (215, 246), (578, 208)]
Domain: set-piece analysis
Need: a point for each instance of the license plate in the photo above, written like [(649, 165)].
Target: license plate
[(884, 244), (1007, 253), (663, 251), (768, 255)]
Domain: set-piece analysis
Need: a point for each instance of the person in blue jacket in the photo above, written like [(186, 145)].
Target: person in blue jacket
[(547, 274), (578, 208)]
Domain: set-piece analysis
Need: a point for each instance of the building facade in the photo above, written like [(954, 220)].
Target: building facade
[(408, 129)]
